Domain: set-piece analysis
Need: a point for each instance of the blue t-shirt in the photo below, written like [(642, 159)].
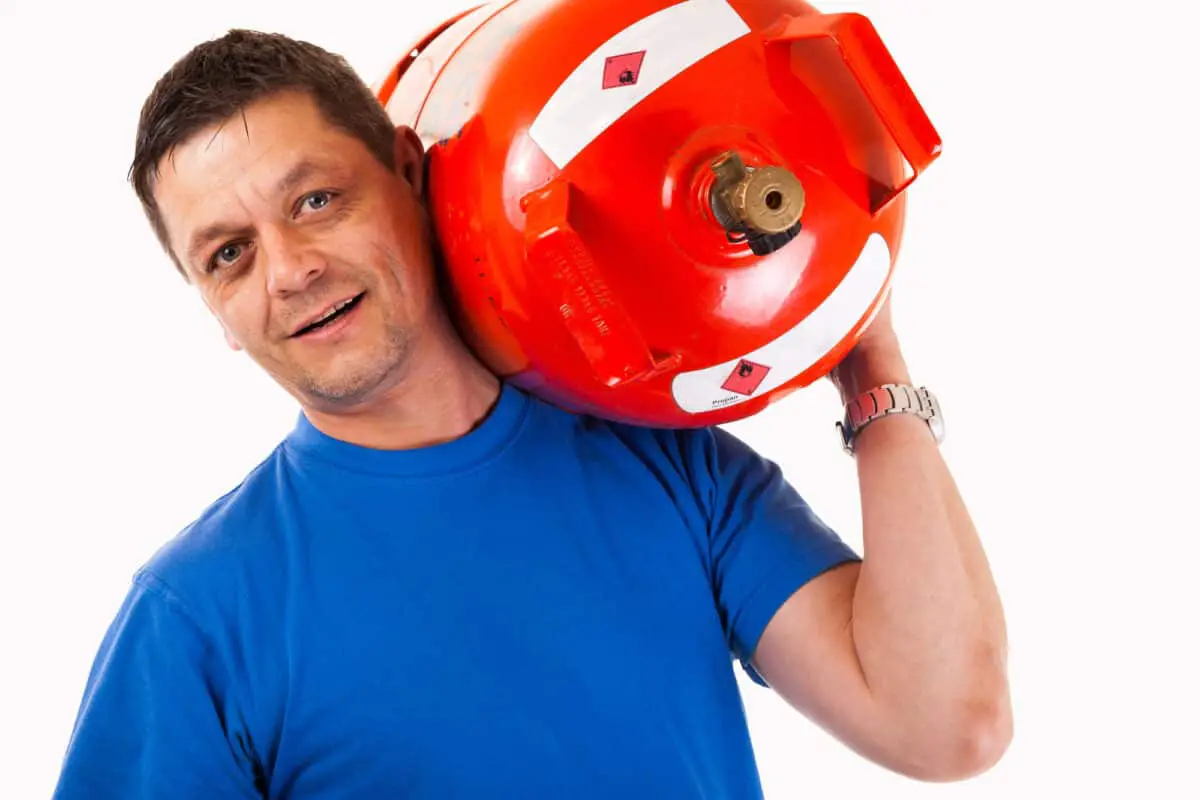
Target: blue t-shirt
[(548, 607)]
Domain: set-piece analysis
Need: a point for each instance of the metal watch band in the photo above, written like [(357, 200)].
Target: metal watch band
[(890, 398)]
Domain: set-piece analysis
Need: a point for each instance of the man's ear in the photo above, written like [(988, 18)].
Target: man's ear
[(233, 343), (410, 158), (230, 339)]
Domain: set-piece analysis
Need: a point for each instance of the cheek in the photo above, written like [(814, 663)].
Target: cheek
[(412, 249), (387, 248), (244, 313), (404, 224), (390, 240)]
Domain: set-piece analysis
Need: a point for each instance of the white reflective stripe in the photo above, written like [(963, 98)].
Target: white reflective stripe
[(673, 39), (800, 348)]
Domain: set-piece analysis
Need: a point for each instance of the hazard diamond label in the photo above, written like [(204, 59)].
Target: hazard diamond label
[(746, 377), (623, 70)]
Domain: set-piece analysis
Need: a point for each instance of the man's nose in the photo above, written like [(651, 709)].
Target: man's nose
[(292, 261)]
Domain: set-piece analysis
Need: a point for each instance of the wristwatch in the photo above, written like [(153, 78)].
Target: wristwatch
[(890, 398)]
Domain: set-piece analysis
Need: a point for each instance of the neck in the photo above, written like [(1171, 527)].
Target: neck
[(443, 394)]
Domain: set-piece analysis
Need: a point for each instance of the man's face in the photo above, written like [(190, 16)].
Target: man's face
[(282, 220)]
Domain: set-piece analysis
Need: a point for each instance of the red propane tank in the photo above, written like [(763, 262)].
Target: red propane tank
[(666, 213)]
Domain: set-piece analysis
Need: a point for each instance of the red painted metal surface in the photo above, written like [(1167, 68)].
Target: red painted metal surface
[(590, 267)]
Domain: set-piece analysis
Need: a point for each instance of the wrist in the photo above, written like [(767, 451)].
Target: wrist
[(866, 368)]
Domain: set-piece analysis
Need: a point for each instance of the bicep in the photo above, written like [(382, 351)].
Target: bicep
[(785, 585), (156, 719), (807, 655), (766, 543)]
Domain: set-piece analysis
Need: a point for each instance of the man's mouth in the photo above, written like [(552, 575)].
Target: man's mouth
[(332, 315)]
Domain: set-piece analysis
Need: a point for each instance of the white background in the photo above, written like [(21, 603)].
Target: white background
[(1049, 262)]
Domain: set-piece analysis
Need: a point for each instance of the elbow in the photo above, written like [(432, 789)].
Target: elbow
[(969, 747), (980, 743)]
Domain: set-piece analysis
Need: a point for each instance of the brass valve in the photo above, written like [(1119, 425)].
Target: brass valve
[(764, 204)]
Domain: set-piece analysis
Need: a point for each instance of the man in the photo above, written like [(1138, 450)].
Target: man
[(440, 586)]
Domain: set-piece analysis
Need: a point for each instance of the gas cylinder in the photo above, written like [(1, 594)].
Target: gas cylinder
[(662, 212)]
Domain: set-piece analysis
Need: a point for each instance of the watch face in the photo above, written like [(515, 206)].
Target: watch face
[(938, 426), (843, 435), (937, 423)]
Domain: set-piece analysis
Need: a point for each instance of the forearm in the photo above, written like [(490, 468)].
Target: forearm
[(927, 620)]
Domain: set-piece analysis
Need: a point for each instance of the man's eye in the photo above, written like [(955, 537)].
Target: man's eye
[(317, 200), (227, 255)]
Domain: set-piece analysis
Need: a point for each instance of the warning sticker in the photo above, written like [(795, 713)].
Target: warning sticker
[(612, 79), (745, 378), (740, 378), (623, 70)]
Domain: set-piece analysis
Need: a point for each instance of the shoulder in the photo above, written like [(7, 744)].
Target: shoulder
[(207, 563), (704, 456)]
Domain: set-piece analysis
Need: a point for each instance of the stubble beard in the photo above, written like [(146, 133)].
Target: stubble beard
[(344, 385), (353, 383)]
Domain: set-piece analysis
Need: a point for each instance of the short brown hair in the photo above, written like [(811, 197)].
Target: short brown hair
[(219, 78)]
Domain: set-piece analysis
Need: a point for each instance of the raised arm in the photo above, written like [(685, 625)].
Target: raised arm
[(902, 656)]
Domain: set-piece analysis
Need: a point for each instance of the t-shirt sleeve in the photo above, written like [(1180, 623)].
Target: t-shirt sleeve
[(765, 540), (156, 719)]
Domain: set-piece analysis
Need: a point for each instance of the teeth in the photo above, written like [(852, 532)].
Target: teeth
[(334, 310)]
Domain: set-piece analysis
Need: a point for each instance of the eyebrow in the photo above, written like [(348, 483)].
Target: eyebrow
[(300, 172)]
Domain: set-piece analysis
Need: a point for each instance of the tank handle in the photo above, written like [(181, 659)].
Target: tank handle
[(881, 81), (565, 275)]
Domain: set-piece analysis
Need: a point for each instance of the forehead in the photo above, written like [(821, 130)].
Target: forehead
[(231, 166)]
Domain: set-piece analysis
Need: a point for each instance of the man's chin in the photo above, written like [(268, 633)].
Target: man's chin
[(349, 386), (332, 393), (336, 381)]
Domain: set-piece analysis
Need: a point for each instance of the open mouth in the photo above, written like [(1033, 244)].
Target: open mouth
[(335, 313)]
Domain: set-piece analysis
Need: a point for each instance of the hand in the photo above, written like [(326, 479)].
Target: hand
[(874, 360), (880, 334)]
